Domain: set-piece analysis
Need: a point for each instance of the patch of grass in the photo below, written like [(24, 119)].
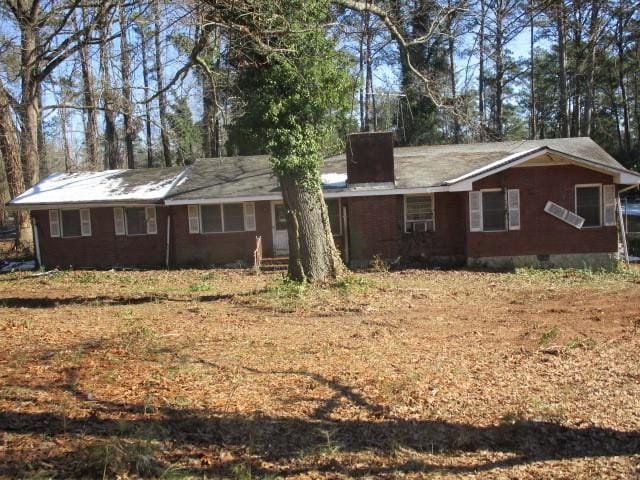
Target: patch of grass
[(286, 291), (200, 287), (586, 343), (327, 448), (580, 277), (549, 335), (353, 284), (241, 471), (117, 457)]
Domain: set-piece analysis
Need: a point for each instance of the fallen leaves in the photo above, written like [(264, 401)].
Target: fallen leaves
[(414, 373)]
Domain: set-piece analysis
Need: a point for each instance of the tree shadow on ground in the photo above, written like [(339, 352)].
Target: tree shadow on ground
[(287, 444), (111, 300)]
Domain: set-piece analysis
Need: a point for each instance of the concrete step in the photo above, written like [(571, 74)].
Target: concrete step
[(274, 264)]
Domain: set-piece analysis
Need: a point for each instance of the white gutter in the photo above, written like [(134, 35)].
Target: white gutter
[(96, 204), (496, 164), (326, 194)]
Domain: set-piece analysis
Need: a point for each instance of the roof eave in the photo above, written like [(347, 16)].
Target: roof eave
[(9, 206), (465, 182)]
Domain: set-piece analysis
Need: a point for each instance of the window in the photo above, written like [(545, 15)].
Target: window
[(418, 215), (588, 204), (136, 221), (228, 217), (70, 223), (233, 217), (333, 206), (494, 211), (211, 218)]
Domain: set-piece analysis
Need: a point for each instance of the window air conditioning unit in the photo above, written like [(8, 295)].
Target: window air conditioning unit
[(420, 226)]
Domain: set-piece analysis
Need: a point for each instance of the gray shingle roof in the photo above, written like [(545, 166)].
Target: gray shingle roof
[(251, 176), (415, 167), (428, 166)]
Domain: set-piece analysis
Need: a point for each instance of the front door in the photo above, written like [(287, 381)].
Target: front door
[(279, 228)]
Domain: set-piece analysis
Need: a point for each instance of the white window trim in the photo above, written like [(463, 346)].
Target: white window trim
[(146, 220), (506, 209), (601, 207), (62, 235), (433, 210), (221, 205)]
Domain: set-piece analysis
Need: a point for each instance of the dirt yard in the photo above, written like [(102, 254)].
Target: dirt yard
[(214, 373)]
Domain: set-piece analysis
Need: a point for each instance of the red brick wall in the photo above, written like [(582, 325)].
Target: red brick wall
[(370, 157), (103, 248), (448, 239), (540, 233), (376, 227), (218, 248)]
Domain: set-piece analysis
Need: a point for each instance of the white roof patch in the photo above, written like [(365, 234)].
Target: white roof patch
[(334, 180), (90, 187)]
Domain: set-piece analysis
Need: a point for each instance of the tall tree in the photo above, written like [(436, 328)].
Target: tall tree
[(159, 71), (141, 27), (10, 153), (47, 39), (296, 89), (561, 33), (127, 101), (89, 98), (112, 157)]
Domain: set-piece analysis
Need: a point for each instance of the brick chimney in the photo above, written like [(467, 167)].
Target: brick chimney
[(370, 157)]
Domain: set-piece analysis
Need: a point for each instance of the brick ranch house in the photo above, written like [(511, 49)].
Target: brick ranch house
[(541, 203)]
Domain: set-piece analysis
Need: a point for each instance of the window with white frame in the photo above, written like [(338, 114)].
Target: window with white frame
[(418, 213), (222, 218), (70, 223), (588, 204), (132, 221), (136, 221), (494, 210)]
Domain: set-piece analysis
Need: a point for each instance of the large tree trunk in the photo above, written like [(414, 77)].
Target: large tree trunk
[(66, 146), (111, 151), (361, 81), (563, 114), (481, 53), (89, 96), (162, 100), (211, 148), (499, 65), (313, 255), (452, 77), (10, 153), (369, 98), (43, 163), (594, 29), (636, 90), (127, 113), (147, 107), (29, 105), (532, 80), (614, 108), (620, 32)]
